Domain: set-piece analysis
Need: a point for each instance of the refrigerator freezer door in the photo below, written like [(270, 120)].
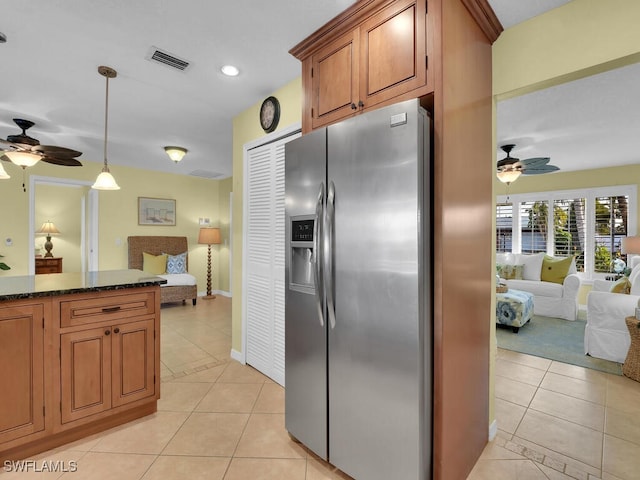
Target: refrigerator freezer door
[(378, 378), (305, 329)]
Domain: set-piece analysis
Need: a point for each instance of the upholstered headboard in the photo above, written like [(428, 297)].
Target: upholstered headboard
[(155, 245)]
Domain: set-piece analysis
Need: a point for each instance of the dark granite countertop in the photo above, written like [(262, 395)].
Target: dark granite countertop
[(53, 284)]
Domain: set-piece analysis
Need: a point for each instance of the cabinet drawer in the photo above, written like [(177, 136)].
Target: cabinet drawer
[(107, 308)]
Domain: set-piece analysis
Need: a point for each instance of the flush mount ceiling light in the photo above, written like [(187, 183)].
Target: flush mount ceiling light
[(230, 70), (105, 180), (176, 153)]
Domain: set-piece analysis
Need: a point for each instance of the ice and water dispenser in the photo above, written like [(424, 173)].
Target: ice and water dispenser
[(302, 259)]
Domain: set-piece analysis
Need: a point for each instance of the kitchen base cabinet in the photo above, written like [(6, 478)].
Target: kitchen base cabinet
[(106, 367), (22, 402), (73, 365)]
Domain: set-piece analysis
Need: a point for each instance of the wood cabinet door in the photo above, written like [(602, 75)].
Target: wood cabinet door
[(85, 373), (334, 79), (133, 365), (393, 52), (21, 371)]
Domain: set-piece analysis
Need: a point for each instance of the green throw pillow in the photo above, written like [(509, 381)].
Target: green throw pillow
[(555, 269), (154, 264), (622, 285), (510, 272)]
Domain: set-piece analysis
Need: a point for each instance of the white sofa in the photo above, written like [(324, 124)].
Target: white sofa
[(550, 299), (606, 335)]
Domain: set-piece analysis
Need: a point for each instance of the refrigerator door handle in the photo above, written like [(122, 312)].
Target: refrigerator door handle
[(318, 231), (328, 253)]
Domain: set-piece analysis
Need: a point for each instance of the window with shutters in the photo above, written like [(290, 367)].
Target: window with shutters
[(586, 224)]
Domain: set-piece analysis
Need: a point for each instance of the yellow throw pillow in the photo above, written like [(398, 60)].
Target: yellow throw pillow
[(154, 264), (555, 269), (622, 285)]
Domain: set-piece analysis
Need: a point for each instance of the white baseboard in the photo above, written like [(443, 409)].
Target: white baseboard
[(493, 430), (238, 356), (222, 293)]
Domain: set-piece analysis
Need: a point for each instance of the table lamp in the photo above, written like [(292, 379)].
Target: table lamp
[(209, 236), (48, 228)]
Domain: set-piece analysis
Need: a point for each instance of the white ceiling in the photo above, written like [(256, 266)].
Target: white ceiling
[(49, 75)]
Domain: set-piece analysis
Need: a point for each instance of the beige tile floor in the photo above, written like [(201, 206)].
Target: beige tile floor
[(558, 421), (219, 420)]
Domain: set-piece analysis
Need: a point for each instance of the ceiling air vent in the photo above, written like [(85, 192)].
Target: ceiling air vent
[(165, 58), (206, 174)]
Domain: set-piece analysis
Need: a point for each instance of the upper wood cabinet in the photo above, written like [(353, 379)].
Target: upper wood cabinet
[(376, 55)]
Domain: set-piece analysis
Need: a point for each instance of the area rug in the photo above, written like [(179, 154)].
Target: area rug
[(555, 339)]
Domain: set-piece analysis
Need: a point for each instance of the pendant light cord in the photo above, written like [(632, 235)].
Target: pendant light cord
[(106, 120)]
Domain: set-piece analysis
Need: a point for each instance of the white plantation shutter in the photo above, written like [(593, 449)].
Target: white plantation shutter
[(264, 269)]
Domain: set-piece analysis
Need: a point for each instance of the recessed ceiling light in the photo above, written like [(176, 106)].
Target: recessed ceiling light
[(230, 70)]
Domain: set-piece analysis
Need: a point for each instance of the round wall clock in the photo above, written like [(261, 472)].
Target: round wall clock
[(269, 114)]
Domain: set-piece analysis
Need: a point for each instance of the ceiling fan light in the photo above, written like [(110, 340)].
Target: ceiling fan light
[(3, 173), (105, 181), (176, 153), (23, 159), (508, 176)]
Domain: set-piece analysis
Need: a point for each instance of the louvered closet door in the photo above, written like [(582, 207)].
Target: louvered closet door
[(264, 270)]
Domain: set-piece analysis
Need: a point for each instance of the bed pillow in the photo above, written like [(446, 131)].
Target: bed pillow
[(555, 269), (154, 264), (177, 263)]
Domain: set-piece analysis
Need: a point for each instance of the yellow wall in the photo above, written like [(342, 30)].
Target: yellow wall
[(578, 39), (246, 128), (600, 177), (118, 215), (61, 206)]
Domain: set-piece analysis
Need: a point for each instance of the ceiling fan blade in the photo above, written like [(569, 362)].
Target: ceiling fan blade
[(56, 151), (535, 161), (65, 162), (540, 170)]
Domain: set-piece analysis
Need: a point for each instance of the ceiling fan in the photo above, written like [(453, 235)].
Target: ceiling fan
[(510, 168), (24, 144)]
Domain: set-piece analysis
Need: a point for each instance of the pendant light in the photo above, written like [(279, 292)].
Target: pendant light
[(105, 180)]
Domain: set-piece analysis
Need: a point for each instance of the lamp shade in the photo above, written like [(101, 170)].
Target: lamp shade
[(23, 159), (48, 228), (209, 236), (630, 245), (105, 181), (175, 153), (508, 176)]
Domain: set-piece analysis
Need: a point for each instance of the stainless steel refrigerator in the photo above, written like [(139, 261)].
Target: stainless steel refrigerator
[(358, 321)]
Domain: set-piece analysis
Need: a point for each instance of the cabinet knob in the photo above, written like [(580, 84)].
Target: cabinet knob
[(107, 332), (360, 103), (116, 330), (353, 106)]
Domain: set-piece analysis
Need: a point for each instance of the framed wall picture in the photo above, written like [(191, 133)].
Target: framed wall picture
[(156, 211)]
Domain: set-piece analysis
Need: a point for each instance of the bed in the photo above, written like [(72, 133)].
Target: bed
[(179, 287)]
